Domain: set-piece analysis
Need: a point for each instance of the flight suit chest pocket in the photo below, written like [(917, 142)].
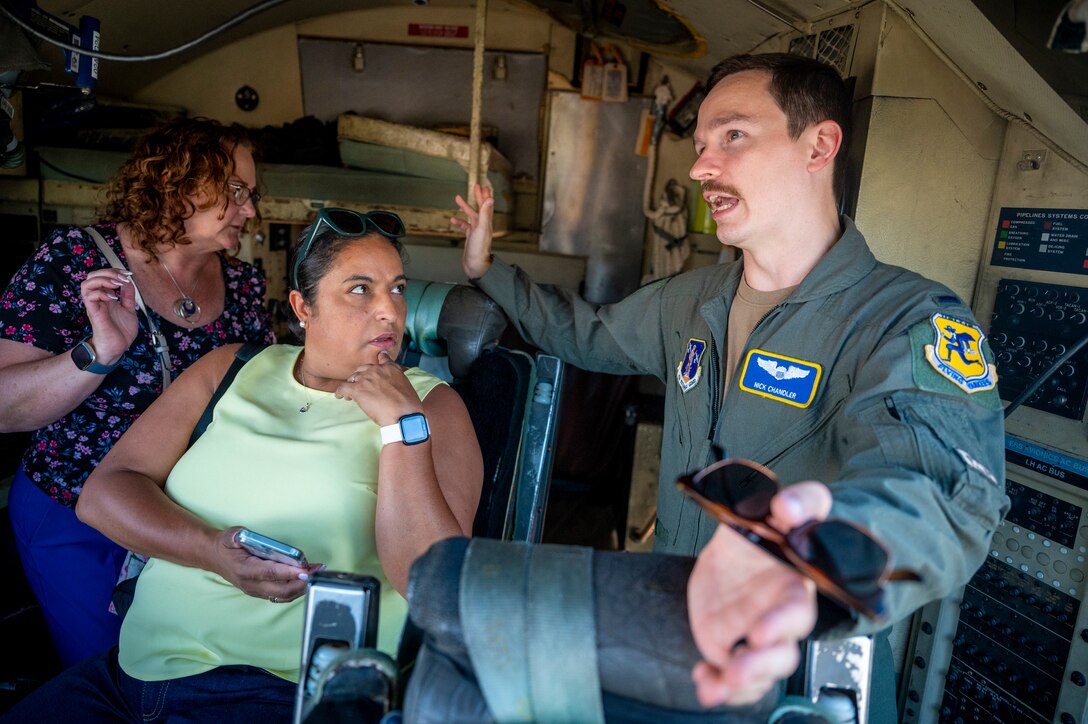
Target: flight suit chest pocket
[(789, 431)]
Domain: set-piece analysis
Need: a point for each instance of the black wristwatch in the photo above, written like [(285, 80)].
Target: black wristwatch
[(410, 429), (85, 359)]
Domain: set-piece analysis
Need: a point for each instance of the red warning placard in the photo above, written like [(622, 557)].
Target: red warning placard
[(434, 30)]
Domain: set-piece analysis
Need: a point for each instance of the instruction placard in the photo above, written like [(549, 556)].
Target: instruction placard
[(1053, 240)]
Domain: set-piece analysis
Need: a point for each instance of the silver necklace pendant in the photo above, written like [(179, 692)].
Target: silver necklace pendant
[(304, 408), (187, 309)]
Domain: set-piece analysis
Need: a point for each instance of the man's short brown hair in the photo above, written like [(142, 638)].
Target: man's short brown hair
[(806, 90)]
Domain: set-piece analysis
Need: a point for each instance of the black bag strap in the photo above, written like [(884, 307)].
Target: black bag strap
[(244, 354)]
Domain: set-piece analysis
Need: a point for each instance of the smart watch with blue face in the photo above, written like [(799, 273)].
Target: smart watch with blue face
[(84, 357), (410, 430)]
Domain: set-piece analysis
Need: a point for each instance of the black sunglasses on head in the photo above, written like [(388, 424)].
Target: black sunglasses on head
[(346, 222), (847, 563)]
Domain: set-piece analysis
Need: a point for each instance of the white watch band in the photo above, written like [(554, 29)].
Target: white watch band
[(391, 433)]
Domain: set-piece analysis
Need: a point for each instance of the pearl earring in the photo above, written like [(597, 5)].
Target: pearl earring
[(302, 323)]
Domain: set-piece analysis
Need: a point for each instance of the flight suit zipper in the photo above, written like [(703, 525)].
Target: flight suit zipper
[(715, 378), (766, 314), (715, 389)]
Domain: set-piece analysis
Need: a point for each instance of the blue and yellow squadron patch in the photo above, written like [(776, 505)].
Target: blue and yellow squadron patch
[(956, 354), (778, 377), (690, 368)]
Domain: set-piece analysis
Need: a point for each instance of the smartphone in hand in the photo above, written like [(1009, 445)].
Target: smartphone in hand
[(270, 549)]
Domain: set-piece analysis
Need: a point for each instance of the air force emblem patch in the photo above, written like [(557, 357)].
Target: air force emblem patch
[(956, 354), (690, 368), (785, 379)]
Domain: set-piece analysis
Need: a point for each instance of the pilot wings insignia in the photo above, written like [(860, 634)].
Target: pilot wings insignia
[(782, 372)]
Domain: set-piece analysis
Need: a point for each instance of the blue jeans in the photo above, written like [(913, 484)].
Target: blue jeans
[(70, 566), (97, 690)]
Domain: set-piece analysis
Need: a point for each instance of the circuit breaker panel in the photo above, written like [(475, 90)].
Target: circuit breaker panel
[(1033, 326), (1014, 646)]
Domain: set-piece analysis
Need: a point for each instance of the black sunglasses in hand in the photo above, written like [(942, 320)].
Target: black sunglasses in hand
[(847, 564)]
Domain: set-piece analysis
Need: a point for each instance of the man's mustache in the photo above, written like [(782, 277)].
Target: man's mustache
[(710, 187)]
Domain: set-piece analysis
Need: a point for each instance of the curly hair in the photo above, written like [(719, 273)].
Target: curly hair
[(155, 191)]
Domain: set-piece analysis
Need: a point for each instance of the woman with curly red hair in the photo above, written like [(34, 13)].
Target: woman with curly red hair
[(96, 324)]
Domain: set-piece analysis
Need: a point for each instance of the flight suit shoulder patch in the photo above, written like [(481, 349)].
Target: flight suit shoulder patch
[(950, 356)]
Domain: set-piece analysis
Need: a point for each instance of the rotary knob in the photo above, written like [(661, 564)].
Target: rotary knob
[(1038, 312), (1057, 315), (1078, 318)]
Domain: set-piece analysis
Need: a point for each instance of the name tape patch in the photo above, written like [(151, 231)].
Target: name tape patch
[(778, 377)]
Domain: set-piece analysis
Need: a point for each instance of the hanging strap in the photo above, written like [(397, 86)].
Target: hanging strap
[(158, 339), (528, 618), (244, 354)]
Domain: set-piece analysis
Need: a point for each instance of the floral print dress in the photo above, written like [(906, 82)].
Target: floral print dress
[(42, 307)]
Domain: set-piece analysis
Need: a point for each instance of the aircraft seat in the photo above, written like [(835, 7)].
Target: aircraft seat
[(512, 399), (560, 633), (555, 633)]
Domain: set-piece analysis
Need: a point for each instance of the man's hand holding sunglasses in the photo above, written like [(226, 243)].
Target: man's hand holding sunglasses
[(748, 610)]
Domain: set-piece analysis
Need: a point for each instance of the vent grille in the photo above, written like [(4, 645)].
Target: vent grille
[(804, 45), (832, 46)]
